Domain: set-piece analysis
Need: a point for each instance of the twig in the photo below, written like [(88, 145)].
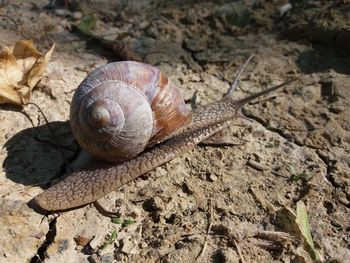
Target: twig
[(53, 134), (239, 252), (275, 236), (210, 217)]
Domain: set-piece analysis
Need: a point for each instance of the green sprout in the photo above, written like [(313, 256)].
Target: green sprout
[(109, 239), (123, 222), (296, 176)]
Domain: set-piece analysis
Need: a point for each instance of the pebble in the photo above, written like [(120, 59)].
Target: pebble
[(81, 240), (128, 245), (107, 250), (77, 15), (212, 177), (285, 8), (62, 12), (96, 241), (107, 258)]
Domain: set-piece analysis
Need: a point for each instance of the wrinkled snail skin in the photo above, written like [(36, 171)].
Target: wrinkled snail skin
[(83, 187)]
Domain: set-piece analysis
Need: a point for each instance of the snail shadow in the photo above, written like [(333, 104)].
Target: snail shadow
[(33, 157)]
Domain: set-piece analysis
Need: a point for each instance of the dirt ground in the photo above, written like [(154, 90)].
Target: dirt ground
[(214, 203)]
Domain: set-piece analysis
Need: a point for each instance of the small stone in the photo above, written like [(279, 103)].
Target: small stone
[(62, 12), (142, 192), (285, 8), (107, 250), (212, 177), (107, 258), (81, 240), (77, 15), (128, 245), (96, 241)]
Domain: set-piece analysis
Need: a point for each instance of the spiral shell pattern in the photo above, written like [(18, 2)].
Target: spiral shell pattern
[(123, 107)]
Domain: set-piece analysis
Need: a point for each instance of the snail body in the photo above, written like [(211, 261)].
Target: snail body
[(86, 186), (123, 107)]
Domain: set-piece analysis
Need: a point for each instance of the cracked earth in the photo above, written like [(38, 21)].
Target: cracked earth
[(239, 188)]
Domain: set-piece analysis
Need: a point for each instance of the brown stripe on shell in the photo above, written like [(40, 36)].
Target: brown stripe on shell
[(169, 109)]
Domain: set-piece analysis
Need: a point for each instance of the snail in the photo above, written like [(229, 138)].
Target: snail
[(162, 129)]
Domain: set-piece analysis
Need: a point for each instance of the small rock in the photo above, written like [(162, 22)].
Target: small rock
[(128, 245), (142, 191), (81, 240), (96, 241), (62, 12), (285, 8), (77, 15), (212, 177), (107, 250), (107, 258)]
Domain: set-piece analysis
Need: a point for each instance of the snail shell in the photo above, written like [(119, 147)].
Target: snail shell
[(123, 107)]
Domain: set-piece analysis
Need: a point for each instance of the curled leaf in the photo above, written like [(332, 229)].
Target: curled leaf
[(303, 222), (21, 68), (297, 224)]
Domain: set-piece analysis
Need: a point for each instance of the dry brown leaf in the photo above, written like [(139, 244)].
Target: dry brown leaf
[(297, 224), (21, 68)]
